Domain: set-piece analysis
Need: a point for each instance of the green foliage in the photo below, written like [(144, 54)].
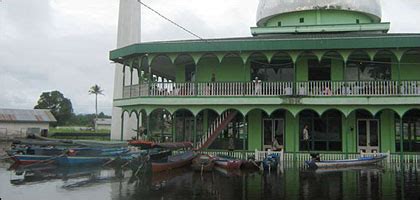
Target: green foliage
[(85, 119), (59, 106)]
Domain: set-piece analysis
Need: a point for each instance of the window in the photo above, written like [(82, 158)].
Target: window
[(302, 20), (319, 71), (357, 21), (279, 23), (411, 127), (324, 132)]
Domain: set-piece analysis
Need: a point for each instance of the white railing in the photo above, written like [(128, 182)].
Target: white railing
[(261, 155), (307, 88)]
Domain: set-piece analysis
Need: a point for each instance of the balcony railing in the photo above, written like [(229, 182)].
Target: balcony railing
[(267, 89)]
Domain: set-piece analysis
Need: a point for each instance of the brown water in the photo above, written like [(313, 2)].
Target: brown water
[(291, 182)]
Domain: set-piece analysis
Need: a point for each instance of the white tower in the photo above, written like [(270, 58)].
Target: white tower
[(129, 25)]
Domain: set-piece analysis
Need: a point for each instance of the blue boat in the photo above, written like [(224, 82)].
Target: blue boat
[(362, 161)]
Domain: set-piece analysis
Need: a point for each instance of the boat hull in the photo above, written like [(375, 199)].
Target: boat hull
[(30, 159), (173, 162), (203, 163), (229, 164), (346, 163)]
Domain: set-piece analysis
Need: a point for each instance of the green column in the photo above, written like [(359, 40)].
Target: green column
[(401, 138), (244, 133), (149, 132), (131, 79), (195, 129), (138, 126)]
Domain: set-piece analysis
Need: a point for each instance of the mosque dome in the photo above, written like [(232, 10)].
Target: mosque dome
[(268, 9)]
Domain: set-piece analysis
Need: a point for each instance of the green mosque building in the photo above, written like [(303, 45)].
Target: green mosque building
[(330, 65)]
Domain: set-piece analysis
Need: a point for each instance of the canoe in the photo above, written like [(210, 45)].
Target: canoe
[(169, 145), (345, 163), (203, 163), (271, 162), (228, 162), (64, 159), (173, 162)]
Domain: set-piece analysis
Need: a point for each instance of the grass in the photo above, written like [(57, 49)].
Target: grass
[(71, 130)]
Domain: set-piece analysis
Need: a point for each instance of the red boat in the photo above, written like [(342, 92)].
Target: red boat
[(228, 163), (173, 162)]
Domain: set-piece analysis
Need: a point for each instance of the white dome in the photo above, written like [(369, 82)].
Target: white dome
[(270, 8)]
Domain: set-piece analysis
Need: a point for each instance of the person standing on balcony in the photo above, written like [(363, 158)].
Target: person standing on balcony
[(257, 86), (305, 133)]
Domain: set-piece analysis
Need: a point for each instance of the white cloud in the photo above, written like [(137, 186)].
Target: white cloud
[(64, 44)]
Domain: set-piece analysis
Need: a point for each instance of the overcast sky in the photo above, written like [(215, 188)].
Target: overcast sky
[(63, 45)]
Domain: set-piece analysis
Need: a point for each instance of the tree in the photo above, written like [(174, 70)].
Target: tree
[(60, 107), (96, 90)]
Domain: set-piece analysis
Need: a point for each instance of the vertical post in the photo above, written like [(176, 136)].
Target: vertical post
[(345, 82), (347, 137), (399, 77), (123, 81), (195, 130), (162, 125), (244, 128), (149, 132), (138, 126), (122, 127), (401, 138), (131, 79), (173, 127), (245, 81), (294, 90), (150, 80)]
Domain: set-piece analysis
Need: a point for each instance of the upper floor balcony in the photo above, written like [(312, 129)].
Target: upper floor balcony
[(257, 88)]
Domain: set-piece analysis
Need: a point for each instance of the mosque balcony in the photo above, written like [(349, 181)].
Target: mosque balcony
[(304, 89)]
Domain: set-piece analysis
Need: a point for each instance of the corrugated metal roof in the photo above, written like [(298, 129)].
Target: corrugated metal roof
[(17, 115)]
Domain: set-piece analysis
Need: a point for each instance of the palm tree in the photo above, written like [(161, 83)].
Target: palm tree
[(96, 89)]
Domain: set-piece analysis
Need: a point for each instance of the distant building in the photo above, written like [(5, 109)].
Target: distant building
[(103, 124), (20, 123)]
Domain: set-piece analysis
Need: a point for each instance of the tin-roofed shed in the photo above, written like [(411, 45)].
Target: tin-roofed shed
[(19, 123)]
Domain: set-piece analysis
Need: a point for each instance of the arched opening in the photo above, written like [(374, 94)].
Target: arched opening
[(160, 125), (255, 129), (233, 134), (367, 129), (206, 75), (409, 70), (183, 126), (320, 133), (163, 73), (274, 128), (410, 131), (205, 119)]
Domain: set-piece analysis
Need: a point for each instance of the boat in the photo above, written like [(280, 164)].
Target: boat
[(371, 160), (227, 162), (271, 162), (168, 145), (71, 157), (203, 163), (251, 164), (173, 162)]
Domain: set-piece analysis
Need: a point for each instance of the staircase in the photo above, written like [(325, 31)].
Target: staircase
[(215, 129)]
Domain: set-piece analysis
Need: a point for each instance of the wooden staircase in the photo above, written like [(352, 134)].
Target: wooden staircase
[(215, 129)]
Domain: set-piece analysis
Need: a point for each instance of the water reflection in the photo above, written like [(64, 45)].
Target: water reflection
[(292, 181)]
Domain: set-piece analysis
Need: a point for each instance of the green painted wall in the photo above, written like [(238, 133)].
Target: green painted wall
[(180, 73), (337, 70), (292, 133), (352, 133), (255, 130), (302, 69), (387, 139), (410, 70), (319, 17), (231, 69)]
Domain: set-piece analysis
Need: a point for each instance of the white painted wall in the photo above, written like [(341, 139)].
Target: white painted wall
[(129, 25), (11, 130)]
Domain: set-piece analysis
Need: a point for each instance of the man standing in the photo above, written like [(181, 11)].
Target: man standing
[(305, 133)]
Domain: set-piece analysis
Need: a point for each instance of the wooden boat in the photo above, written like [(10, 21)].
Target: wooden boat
[(203, 163), (227, 162), (316, 163), (173, 162), (271, 162), (169, 145), (70, 158)]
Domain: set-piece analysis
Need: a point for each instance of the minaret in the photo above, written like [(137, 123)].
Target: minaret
[(129, 26)]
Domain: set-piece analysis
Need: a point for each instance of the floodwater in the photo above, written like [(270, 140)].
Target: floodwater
[(291, 181)]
